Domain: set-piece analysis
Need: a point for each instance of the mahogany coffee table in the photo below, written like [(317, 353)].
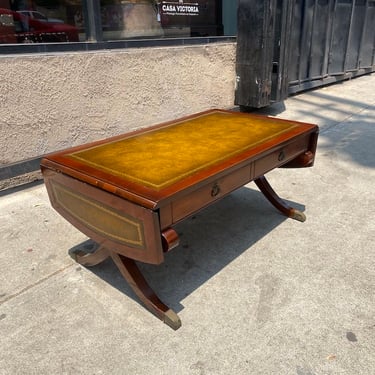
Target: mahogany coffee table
[(126, 193)]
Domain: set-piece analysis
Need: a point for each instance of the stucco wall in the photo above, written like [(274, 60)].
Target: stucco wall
[(50, 102)]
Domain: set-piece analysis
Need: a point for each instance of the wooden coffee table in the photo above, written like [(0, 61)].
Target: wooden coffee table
[(126, 193)]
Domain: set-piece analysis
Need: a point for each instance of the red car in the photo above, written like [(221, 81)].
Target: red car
[(17, 28)]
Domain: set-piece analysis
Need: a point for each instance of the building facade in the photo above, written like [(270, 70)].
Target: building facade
[(75, 71)]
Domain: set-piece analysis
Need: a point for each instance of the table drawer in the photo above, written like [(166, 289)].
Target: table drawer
[(281, 156), (210, 193)]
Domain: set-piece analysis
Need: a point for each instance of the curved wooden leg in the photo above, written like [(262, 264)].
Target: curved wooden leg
[(89, 258), (138, 283), (271, 195)]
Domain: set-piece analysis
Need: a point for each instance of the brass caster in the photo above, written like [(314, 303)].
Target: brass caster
[(172, 320), (298, 215)]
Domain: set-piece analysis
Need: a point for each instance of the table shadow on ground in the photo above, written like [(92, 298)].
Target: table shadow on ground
[(209, 241)]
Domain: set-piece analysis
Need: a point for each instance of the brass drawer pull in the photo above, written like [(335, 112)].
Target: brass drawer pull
[(215, 190)]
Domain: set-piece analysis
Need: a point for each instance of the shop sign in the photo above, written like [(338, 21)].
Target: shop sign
[(179, 8)]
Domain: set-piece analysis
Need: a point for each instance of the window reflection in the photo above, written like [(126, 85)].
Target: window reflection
[(122, 19), (40, 21), (51, 21)]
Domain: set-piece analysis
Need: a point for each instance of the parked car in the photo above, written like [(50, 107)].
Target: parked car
[(7, 31), (17, 28), (38, 16)]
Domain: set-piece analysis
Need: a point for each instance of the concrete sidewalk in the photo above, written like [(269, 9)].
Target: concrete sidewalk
[(257, 293)]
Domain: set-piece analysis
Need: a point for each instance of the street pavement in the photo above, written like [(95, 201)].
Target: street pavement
[(257, 293)]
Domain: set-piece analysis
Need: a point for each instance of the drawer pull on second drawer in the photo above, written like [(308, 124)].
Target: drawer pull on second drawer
[(215, 190), (281, 155)]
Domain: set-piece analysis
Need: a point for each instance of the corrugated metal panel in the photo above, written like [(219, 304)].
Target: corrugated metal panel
[(316, 42)]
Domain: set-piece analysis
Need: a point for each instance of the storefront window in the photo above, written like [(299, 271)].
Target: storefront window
[(123, 19), (53, 21)]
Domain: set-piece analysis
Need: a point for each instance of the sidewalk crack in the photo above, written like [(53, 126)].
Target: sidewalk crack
[(11, 296)]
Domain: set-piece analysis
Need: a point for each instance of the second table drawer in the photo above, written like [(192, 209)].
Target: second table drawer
[(281, 156)]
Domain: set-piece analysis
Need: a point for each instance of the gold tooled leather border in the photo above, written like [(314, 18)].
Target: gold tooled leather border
[(62, 193)]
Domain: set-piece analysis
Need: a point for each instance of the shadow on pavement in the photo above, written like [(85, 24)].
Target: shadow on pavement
[(209, 241), (346, 125)]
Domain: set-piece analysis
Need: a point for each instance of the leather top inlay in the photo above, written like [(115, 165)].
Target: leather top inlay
[(161, 157)]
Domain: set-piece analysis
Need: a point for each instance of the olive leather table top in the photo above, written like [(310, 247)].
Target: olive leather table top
[(156, 162)]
